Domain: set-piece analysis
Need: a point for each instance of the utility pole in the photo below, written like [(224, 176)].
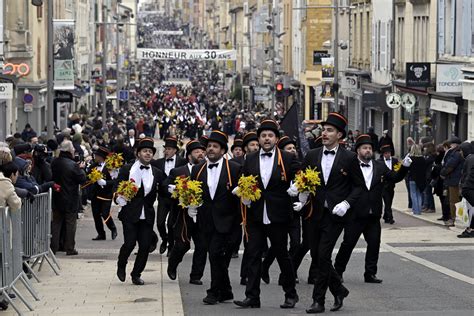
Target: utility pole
[(273, 62), (117, 56), (104, 62), (50, 81), (336, 55), (242, 75)]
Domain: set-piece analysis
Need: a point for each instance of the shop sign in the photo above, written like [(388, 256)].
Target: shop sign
[(418, 74), (349, 83), (393, 100), (448, 78), (318, 54), (6, 91), (408, 101), (444, 106)]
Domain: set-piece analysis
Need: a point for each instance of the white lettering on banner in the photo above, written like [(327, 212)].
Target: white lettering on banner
[(187, 54)]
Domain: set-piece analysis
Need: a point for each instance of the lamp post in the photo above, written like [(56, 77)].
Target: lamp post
[(50, 81)]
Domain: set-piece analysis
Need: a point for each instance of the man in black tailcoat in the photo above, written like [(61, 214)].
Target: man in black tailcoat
[(389, 187), (341, 186), (218, 215), (170, 161), (368, 209), (185, 228), (138, 214), (101, 194), (270, 215)]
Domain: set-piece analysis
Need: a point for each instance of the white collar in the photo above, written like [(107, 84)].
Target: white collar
[(334, 149), (218, 162), (264, 152)]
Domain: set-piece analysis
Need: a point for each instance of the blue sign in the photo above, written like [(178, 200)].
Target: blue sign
[(123, 95)]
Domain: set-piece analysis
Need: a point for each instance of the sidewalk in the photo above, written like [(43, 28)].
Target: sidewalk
[(400, 204)]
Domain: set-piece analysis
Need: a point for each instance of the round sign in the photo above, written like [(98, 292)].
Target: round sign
[(393, 100), (156, 90), (28, 98), (408, 101)]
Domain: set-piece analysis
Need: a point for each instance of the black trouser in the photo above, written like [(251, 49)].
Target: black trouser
[(68, 220), (219, 246), (164, 207), (140, 232), (278, 235), (387, 195), (330, 230), (182, 236), (101, 212), (171, 223), (446, 211), (309, 230), (245, 260), (294, 232), (370, 227)]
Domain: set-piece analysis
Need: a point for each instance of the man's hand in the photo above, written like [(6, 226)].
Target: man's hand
[(121, 201), (114, 174), (234, 191), (171, 188), (297, 206), (407, 161), (341, 208), (246, 202), (101, 182), (292, 190)]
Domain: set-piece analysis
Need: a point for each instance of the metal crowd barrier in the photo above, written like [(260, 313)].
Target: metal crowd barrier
[(36, 230), (11, 258)]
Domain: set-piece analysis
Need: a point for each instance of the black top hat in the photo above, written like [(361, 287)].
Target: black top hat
[(318, 142), (194, 144), (269, 125), (102, 152), (362, 140), (337, 120), (250, 136), (237, 143), (171, 142), (146, 142), (220, 138), (285, 140), (385, 148), (203, 140)]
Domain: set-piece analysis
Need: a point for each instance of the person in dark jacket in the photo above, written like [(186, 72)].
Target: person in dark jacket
[(467, 187), (374, 137), (27, 133), (451, 173), (438, 184), (387, 140), (417, 178), (66, 200)]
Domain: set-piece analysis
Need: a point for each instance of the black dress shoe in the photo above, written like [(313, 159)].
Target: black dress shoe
[(114, 234), (265, 276), (137, 281), (369, 278), (338, 300), (99, 237), (121, 274), (391, 222), (315, 308), (235, 255), (171, 273), (226, 296), (210, 300), (72, 253), (243, 281), (248, 303), (195, 282), (290, 302), (163, 246)]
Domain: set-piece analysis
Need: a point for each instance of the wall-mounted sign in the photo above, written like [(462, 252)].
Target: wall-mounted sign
[(28, 107), (327, 69), (393, 100), (349, 83), (418, 74), (443, 106), (16, 69), (448, 78), (63, 96), (318, 54), (186, 54), (6, 91), (408, 101)]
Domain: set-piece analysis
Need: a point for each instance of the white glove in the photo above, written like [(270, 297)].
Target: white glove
[(101, 182), (192, 212), (171, 188), (341, 208), (297, 206), (303, 197), (114, 174), (407, 161), (121, 201), (234, 191), (246, 202), (292, 190)]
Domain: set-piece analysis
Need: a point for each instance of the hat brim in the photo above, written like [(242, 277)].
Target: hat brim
[(364, 143)]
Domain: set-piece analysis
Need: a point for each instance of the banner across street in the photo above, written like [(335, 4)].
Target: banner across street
[(187, 54)]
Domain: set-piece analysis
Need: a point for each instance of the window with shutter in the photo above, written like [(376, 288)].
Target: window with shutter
[(383, 46), (388, 51), (441, 26), (374, 46)]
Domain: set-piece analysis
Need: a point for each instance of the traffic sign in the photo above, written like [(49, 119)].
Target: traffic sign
[(28, 98), (6, 91), (261, 90), (123, 95)]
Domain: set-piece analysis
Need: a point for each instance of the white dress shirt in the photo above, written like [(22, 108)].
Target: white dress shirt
[(142, 176), (190, 167), (326, 163), (100, 166), (266, 167), (368, 172), (170, 165), (213, 176), (132, 141), (388, 163)]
